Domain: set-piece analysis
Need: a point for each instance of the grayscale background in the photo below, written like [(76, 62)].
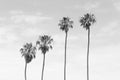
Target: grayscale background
[(23, 21)]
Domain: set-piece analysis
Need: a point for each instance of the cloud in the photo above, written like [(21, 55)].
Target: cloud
[(22, 17), (107, 35), (13, 12), (21, 26), (117, 6), (87, 6), (7, 35), (29, 19), (2, 18), (110, 29)]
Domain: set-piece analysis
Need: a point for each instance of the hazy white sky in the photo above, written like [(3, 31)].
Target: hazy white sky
[(23, 21)]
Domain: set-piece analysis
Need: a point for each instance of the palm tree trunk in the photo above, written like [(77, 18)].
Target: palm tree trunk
[(88, 54), (43, 67), (25, 70), (65, 57)]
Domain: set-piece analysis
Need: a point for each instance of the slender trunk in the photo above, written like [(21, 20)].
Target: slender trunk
[(25, 70), (88, 54), (43, 67), (65, 57)]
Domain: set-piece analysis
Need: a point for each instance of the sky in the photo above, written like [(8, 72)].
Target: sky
[(23, 21)]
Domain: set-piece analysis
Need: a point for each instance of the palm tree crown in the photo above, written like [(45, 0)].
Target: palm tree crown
[(28, 51), (44, 43), (87, 20), (65, 24)]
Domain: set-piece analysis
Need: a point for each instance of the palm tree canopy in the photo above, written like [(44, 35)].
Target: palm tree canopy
[(44, 43), (65, 24), (87, 20), (28, 51)]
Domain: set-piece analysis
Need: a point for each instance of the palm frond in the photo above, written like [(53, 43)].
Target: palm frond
[(45, 43), (28, 51), (87, 20), (65, 24)]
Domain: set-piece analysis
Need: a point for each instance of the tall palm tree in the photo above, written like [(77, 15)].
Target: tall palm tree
[(65, 24), (86, 22), (28, 52), (44, 44)]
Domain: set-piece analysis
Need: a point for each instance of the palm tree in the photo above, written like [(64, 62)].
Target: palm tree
[(28, 52), (65, 24), (86, 22), (44, 44)]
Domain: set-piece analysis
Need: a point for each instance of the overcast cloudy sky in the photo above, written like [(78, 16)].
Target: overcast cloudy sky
[(23, 21)]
